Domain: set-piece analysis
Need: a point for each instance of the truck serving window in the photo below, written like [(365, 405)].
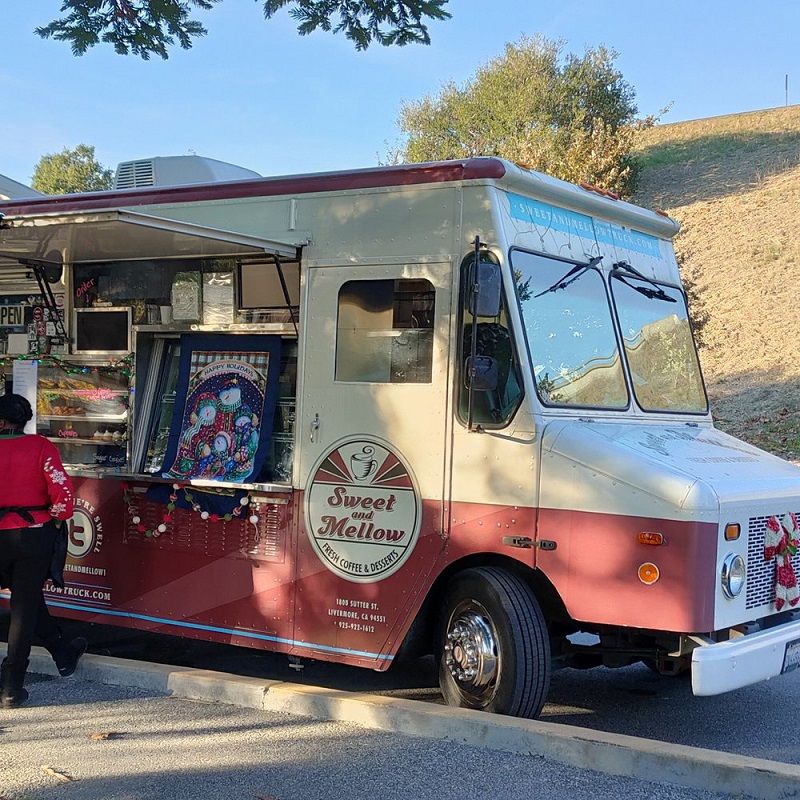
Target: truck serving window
[(662, 359), (570, 331), (384, 331)]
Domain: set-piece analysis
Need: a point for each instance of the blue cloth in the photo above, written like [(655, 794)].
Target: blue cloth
[(220, 504)]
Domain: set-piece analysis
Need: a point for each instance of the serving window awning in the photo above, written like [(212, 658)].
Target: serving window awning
[(119, 235)]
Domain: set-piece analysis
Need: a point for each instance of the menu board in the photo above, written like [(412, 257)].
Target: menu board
[(25, 376)]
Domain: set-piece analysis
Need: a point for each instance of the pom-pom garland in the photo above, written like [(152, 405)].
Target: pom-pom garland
[(167, 517)]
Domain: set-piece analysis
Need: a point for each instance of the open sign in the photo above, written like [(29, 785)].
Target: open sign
[(12, 316)]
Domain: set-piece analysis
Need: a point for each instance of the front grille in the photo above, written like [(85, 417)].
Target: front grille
[(760, 573)]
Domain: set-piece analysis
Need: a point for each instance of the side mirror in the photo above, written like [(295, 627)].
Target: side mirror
[(487, 288), (52, 272), (53, 267), (481, 373)]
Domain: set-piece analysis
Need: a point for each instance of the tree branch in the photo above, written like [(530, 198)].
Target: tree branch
[(152, 27)]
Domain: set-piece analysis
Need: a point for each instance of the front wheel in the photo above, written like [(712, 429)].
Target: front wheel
[(494, 651)]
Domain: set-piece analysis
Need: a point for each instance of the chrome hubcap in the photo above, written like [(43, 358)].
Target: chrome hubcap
[(470, 651)]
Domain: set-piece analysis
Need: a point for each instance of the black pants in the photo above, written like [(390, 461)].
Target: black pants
[(25, 555)]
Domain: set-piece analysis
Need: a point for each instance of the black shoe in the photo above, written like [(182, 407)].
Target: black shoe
[(12, 691), (67, 656), (11, 698)]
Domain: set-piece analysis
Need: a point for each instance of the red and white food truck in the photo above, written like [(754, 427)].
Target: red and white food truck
[(449, 408)]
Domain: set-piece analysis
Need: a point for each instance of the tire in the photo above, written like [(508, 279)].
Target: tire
[(493, 646)]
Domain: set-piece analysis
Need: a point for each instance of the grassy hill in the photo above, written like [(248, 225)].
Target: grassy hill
[(733, 182)]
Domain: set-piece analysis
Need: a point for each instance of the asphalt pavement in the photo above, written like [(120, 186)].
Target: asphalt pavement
[(79, 740), (754, 721), (180, 748)]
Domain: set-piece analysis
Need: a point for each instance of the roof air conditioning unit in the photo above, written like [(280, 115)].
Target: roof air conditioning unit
[(177, 171)]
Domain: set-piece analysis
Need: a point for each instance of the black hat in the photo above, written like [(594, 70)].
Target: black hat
[(14, 408)]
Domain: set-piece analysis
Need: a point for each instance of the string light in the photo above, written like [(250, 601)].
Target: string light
[(123, 366)]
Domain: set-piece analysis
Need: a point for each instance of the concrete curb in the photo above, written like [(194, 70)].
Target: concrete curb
[(611, 753)]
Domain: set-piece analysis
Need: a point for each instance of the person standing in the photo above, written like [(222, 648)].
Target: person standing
[(35, 495)]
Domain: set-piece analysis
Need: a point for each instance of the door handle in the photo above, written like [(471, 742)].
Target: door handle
[(314, 427)]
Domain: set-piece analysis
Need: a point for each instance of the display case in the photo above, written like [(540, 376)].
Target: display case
[(282, 451), (84, 410), (157, 406)]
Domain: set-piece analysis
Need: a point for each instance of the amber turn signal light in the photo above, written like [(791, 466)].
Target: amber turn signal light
[(732, 531), (649, 573), (647, 537)]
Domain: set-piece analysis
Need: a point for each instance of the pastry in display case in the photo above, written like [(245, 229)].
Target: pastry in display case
[(85, 413)]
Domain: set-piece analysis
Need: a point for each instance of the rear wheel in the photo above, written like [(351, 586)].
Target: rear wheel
[(494, 651)]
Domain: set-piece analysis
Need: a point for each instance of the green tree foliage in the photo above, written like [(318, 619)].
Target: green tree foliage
[(570, 116), (71, 171), (151, 27), (695, 299)]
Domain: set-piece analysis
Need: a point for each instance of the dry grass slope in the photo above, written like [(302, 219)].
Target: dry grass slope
[(733, 183)]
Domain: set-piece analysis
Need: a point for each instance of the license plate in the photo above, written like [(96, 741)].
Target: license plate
[(791, 656)]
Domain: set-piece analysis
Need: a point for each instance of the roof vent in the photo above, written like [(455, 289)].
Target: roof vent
[(177, 171), (131, 174)]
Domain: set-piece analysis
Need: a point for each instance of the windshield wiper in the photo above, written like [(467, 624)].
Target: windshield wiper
[(571, 276), (657, 293)]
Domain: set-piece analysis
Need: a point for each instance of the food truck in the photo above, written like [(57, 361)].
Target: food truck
[(450, 408)]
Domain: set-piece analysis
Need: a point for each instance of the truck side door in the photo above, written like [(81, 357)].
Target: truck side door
[(373, 458)]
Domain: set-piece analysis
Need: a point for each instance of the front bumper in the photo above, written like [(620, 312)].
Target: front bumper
[(724, 666)]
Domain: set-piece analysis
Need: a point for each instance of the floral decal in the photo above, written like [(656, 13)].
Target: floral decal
[(60, 490)]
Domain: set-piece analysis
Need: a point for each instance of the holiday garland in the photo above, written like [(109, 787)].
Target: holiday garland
[(122, 366), (781, 542), (168, 516)]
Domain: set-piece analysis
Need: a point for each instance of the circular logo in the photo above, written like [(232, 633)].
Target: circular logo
[(362, 510), (84, 529)]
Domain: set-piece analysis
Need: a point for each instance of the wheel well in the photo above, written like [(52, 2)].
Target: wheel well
[(420, 637)]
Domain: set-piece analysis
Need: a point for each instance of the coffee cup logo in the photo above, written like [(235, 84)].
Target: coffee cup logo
[(363, 510), (363, 464)]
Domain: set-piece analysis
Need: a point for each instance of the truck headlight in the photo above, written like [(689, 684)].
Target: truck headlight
[(733, 575)]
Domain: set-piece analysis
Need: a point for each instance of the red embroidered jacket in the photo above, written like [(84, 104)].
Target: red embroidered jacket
[(32, 475)]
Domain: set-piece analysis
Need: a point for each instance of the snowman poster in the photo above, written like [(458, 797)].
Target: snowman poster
[(225, 416)]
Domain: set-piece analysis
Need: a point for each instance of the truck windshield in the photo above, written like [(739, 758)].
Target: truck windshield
[(662, 360), (570, 332)]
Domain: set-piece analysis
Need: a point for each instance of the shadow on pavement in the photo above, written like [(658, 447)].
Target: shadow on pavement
[(632, 701)]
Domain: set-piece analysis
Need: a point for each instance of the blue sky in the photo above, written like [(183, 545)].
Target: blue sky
[(257, 94)]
